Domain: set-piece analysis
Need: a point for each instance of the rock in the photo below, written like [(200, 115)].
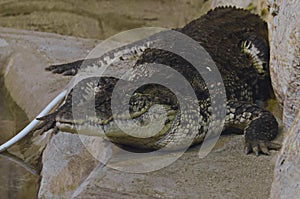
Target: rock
[(237, 3), (23, 57), (29, 53), (101, 20), (286, 182), (225, 173), (256, 6), (17, 179), (66, 164), (98, 19), (285, 65)]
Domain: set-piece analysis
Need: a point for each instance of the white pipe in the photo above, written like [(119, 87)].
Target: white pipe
[(34, 122)]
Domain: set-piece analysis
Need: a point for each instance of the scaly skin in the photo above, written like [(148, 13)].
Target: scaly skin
[(236, 40)]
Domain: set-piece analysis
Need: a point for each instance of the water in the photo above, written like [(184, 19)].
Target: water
[(17, 180)]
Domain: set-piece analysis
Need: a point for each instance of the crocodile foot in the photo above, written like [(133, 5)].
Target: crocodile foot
[(260, 146), (259, 126), (68, 69), (260, 133)]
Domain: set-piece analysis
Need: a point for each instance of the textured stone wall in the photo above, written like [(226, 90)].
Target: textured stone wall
[(286, 182), (284, 29), (285, 57)]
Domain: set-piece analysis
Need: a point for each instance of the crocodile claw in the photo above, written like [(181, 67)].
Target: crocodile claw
[(261, 147), (65, 69)]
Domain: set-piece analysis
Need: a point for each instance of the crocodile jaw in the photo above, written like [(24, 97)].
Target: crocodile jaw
[(143, 131)]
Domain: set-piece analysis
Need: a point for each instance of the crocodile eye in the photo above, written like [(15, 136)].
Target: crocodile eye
[(249, 44), (264, 65), (246, 45)]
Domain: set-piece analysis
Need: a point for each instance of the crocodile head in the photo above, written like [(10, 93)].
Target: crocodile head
[(143, 123)]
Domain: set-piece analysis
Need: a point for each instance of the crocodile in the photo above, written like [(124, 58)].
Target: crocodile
[(236, 40)]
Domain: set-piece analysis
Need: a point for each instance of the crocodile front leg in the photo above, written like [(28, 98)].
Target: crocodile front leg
[(127, 52), (260, 126)]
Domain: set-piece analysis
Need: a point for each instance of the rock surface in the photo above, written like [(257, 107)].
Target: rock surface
[(24, 57), (67, 164), (257, 5), (287, 177), (285, 62), (285, 71), (98, 19), (69, 171), (101, 19), (17, 180)]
